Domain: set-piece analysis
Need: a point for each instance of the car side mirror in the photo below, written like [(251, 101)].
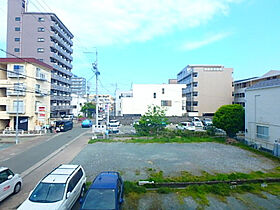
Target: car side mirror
[(10, 177), (81, 200), (121, 200), (68, 195)]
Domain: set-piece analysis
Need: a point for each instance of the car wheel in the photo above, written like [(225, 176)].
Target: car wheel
[(17, 188), (82, 191)]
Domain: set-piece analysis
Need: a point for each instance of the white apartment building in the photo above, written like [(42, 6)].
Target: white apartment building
[(24, 89), (241, 85), (77, 103), (137, 101), (262, 116), (207, 88)]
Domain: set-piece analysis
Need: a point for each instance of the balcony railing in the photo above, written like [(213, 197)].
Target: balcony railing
[(13, 110), (59, 30), (62, 51), (61, 79), (61, 98), (15, 92), (57, 108), (61, 69), (62, 42), (60, 88)]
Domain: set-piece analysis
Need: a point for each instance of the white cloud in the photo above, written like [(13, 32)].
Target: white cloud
[(99, 23), (208, 40)]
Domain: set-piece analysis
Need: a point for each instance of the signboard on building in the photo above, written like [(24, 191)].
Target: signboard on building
[(41, 113)]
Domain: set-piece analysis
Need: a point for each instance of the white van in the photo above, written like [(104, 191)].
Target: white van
[(60, 189)]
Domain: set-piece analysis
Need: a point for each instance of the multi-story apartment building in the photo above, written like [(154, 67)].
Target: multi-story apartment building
[(241, 85), (79, 85), (208, 88), (43, 36), (24, 89), (167, 96)]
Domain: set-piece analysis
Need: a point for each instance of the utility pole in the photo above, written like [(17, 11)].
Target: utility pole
[(97, 73), (17, 107)]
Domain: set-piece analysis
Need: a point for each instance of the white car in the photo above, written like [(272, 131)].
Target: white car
[(186, 126), (9, 183), (197, 123), (60, 189), (114, 126)]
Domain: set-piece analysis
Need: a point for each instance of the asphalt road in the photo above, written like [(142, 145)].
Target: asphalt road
[(30, 157)]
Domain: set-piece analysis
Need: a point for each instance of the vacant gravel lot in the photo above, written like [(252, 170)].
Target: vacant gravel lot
[(134, 160)]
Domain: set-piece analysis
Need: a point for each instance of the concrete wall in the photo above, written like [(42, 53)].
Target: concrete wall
[(262, 108)]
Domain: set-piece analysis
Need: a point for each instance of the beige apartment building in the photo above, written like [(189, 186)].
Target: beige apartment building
[(25, 85), (241, 85), (208, 88)]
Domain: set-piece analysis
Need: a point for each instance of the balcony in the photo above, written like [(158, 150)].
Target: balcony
[(39, 93), (61, 98), (61, 79), (58, 108), (62, 70), (60, 88), (62, 51), (61, 60), (41, 77), (59, 30), (13, 110), (62, 42), (15, 93)]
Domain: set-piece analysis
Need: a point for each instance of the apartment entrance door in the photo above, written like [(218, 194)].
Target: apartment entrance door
[(22, 123)]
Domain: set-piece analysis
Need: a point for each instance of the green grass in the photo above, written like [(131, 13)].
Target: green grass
[(158, 176)]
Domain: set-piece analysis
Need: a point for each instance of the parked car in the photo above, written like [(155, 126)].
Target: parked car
[(197, 123), (86, 123), (10, 183), (186, 126), (114, 126), (63, 125), (60, 189), (207, 122), (105, 192)]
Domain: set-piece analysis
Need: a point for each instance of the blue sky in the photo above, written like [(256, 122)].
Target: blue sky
[(143, 41)]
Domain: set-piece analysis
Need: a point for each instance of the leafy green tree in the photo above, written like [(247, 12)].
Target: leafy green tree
[(88, 109), (153, 121), (230, 118)]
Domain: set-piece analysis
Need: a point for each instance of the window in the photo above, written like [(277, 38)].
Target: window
[(17, 28), (41, 29), (195, 84), (41, 40), (37, 88), (195, 74), (195, 103), (41, 59), (16, 49), (17, 18), (166, 103), (40, 50), (41, 19), (17, 39), (20, 106), (162, 90), (155, 95), (4, 176), (262, 132), (195, 93)]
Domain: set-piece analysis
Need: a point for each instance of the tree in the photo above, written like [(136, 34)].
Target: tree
[(152, 121), (88, 109), (230, 118)]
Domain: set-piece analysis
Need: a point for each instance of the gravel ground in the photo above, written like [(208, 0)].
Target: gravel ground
[(170, 202), (134, 160)]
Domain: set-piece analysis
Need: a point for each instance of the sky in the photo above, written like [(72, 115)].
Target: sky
[(151, 41)]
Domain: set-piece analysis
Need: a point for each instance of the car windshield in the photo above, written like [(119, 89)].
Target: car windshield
[(47, 193), (100, 199)]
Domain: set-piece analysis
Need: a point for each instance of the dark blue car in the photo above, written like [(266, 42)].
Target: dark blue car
[(105, 192)]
